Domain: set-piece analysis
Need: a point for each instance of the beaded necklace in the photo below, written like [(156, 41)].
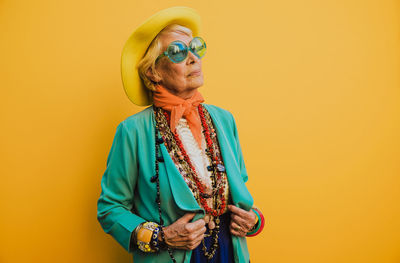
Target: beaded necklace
[(188, 171)]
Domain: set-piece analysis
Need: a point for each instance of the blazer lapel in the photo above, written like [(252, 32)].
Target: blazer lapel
[(181, 192), (240, 194)]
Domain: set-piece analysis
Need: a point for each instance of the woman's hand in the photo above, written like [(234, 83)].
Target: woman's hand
[(241, 220), (185, 235)]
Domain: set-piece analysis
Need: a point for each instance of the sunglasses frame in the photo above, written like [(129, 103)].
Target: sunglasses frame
[(165, 53)]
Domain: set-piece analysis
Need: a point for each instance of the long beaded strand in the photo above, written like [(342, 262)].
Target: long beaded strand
[(157, 179), (215, 164)]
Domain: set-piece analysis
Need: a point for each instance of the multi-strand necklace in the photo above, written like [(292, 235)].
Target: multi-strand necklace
[(179, 155)]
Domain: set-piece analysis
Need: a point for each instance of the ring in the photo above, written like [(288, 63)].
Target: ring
[(239, 228)]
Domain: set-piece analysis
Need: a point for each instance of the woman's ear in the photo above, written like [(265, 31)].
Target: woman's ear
[(153, 77)]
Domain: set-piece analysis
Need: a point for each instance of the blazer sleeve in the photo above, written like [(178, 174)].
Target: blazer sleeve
[(242, 166), (115, 203)]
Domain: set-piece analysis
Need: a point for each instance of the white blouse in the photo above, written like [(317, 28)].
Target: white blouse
[(197, 156), (199, 159)]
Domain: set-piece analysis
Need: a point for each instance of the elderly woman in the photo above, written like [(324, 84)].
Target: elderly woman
[(174, 187)]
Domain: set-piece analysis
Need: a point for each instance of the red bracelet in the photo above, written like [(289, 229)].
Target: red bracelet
[(261, 222)]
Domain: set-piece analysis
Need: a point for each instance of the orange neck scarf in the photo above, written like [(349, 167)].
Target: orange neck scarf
[(180, 107)]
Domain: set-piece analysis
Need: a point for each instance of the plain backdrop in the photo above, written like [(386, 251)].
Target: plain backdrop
[(314, 87)]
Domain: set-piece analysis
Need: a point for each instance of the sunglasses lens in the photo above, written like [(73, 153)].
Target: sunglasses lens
[(177, 51), (198, 46)]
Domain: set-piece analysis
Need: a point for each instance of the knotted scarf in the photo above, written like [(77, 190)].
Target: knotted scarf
[(179, 107)]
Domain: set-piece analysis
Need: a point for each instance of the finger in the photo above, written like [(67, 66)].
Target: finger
[(237, 227), (198, 231), (238, 211), (183, 242), (195, 234), (253, 215), (246, 216), (240, 228), (192, 245), (199, 236), (194, 238), (238, 220), (245, 224), (236, 232), (188, 231), (198, 243), (196, 225), (186, 218), (202, 230)]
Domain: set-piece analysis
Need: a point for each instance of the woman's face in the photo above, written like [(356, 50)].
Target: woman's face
[(181, 79)]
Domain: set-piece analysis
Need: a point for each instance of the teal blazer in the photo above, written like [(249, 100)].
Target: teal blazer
[(128, 196)]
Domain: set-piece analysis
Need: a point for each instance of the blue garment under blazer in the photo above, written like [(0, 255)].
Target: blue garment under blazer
[(128, 196)]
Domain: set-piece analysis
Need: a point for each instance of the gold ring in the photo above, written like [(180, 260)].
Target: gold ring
[(239, 228)]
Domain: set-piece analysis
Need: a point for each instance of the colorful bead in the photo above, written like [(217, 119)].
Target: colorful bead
[(154, 178), (145, 235), (220, 167)]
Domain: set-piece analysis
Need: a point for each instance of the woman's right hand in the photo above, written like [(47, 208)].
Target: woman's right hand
[(185, 235)]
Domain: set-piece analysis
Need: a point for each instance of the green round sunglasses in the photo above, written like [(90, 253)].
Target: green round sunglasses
[(177, 51)]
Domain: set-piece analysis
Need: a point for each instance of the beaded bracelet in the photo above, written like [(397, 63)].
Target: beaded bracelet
[(144, 236), (161, 243), (154, 239), (259, 225)]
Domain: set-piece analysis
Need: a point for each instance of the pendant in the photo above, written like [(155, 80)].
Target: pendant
[(211, 224), (209, 219), (220, 167)]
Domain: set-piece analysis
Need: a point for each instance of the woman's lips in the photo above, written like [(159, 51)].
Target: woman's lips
[(195, 73)]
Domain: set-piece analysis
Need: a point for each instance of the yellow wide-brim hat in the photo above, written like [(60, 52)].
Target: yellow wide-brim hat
[(139, 41)]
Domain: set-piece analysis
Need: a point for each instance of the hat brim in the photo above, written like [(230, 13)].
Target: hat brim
[(138, 42)]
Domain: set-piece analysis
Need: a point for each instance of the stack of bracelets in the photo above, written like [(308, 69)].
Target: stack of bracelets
[(259, 225), (147, 234)]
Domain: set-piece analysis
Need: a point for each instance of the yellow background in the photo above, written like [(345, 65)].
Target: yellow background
[(314, 87)]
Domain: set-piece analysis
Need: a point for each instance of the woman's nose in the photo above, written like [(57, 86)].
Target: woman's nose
[(192, 58)]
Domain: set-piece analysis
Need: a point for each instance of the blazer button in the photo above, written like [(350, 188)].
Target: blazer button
[(154, 178)]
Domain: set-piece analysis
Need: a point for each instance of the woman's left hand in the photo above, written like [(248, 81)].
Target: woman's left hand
[(241, 220)]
